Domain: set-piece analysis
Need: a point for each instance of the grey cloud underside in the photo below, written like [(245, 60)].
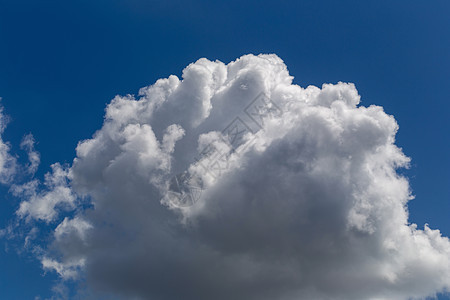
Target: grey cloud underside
[(309, 205)]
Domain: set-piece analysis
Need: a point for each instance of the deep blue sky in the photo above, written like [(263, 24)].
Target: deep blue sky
[(62, 61)]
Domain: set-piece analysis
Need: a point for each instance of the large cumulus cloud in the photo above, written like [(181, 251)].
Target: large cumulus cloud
[(234, 183)]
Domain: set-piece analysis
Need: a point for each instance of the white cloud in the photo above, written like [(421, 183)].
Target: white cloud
[(42, 205), (303, 203), (33, 156), (68, 270), (7, 161)]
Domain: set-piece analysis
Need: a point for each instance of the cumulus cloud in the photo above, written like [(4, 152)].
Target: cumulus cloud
[(235, 183)]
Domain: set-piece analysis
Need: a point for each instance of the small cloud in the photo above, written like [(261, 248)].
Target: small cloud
[(34, 157)]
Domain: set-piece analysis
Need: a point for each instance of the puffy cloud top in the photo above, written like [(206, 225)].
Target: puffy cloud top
[(234, 183)]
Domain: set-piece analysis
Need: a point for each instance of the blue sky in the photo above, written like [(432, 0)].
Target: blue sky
[(61, 62)]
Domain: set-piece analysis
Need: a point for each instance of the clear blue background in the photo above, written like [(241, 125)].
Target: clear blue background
[(62, 61)]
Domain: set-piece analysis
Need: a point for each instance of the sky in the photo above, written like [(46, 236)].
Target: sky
[(62, 62)]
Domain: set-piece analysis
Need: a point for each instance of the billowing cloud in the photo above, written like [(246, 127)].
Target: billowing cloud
[(235, 183)]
